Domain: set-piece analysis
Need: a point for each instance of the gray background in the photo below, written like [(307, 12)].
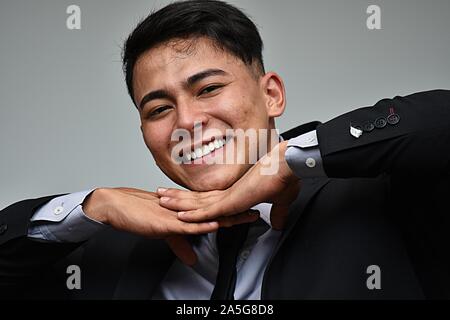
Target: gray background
[(67, 124)]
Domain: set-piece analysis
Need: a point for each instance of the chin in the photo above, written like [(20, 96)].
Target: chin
[(220, 179), (210, 186)]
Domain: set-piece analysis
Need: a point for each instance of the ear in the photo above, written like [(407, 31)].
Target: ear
[(275, 93)]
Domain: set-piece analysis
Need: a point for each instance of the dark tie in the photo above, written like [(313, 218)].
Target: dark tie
[(229, 241)]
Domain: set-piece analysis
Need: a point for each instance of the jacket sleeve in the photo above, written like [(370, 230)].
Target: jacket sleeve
[(403, 136), (21, 257)]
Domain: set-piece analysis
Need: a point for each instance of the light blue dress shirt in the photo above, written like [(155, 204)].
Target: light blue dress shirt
[(63, 220), (197, 283)]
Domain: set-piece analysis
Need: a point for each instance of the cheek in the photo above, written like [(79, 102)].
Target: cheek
[(245, 112), (157, 141)]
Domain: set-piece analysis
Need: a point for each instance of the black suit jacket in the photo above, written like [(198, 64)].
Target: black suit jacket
[(385, 203)]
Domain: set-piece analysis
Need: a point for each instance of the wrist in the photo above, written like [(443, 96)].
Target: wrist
[(285, 171), (303, 156), (95, 205)]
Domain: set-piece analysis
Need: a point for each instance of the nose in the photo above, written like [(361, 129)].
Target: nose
[(189, 117)]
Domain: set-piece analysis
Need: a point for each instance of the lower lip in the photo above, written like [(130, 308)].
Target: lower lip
[(208, 159)]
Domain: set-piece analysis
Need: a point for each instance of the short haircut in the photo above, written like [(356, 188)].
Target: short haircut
[(227, 26)]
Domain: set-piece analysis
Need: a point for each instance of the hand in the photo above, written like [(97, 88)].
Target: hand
[(138, 211), (280, 189)]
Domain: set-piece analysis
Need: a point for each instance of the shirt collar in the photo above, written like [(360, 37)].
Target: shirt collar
[(264, 211)]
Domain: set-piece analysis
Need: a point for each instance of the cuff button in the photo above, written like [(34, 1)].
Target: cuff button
[(58, 210), (310, 163)]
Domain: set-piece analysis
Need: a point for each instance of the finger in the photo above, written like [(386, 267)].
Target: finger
[(246, 217), (186, 194), (176, 193), (278, 216), (203, 214), (186, 204), (181, 227), (182, 249)]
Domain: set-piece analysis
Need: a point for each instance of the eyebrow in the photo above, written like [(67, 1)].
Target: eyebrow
[(204, 74), (192, 80), (154, 95)]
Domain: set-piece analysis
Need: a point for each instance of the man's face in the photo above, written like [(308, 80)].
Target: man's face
[(183, 84)]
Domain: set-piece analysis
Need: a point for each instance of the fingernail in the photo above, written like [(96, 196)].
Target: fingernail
[(164, 199), (181, 213), (214, 223), (161, 190)]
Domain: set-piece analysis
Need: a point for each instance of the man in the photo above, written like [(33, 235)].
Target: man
[(365, 191)]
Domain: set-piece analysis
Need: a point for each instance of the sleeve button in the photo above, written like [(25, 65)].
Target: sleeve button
[(380, 123), (368, 126), (393, 119)]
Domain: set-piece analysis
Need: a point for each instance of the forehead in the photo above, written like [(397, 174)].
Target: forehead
[(181, 58), (182, 51)]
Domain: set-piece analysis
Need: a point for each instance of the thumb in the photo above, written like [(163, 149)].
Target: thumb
[(182, 249), (278, 216)]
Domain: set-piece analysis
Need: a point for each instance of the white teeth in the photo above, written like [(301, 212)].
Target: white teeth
[(206, 149), (198, 152)]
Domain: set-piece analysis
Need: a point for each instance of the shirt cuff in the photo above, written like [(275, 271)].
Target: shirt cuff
[(63, 220), (303, 156)]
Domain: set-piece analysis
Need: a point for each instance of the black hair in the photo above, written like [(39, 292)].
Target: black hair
[(227, 26)]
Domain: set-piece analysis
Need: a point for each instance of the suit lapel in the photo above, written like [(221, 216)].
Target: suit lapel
[(309, 188)]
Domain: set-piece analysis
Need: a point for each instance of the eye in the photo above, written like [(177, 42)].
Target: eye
[(159, 110), (210, 89)]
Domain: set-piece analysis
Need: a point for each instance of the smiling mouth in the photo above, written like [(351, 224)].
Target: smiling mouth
[(206, 149)]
